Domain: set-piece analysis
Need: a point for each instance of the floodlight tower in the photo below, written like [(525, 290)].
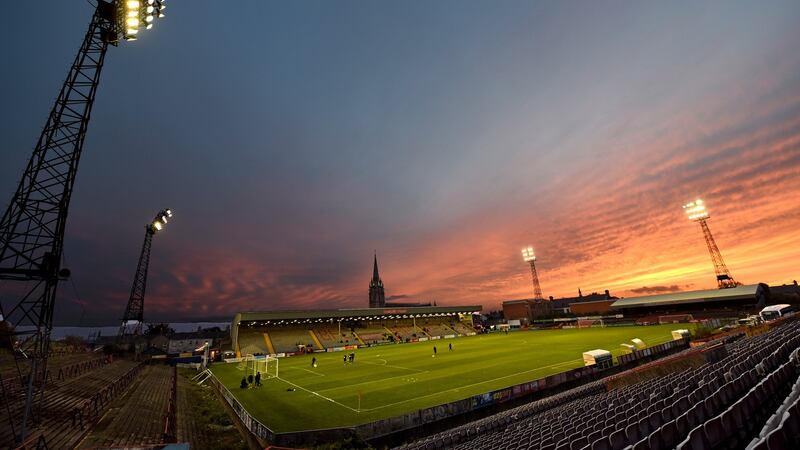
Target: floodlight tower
[(134, 312), (696, 211), (32, 227), (530, 258)]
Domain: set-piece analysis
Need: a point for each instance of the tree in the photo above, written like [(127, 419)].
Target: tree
[(75, 342), (155, 329), (6, 335)]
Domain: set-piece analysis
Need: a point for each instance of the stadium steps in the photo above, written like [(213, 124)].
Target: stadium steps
[(268, 341), (135, 419), (358, 338), (316, 340), (62, 400)]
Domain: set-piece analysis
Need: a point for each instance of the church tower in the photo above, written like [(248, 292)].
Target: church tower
[(377, 298)]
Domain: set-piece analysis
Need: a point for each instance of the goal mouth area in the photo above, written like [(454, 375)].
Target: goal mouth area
[(267, 366)]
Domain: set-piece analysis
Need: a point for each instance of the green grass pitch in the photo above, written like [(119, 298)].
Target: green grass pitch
[(400, 378)]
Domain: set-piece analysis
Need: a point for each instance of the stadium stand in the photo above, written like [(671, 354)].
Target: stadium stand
[(438, 329), (325, 329), (137, 419), (286, 340), (251, 341), (744, 397), (463, 329), (406, 333), (69, 406), (374, 333), (329, 336)]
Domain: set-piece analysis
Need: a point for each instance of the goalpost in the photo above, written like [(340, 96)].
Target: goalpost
[(267, 366), (589, 323)]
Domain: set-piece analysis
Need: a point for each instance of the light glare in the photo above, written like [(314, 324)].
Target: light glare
[(528, 254), (696, 210)]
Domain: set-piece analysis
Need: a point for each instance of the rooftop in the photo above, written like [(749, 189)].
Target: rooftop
[(747, 292)]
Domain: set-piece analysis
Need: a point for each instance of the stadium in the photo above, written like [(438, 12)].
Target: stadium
[(295, 136), (434, 377)]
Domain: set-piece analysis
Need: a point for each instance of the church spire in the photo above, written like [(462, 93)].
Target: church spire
[(375, 276), (377, 297)]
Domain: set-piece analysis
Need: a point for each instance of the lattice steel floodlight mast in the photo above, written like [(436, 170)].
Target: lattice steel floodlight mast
[(134, 312), (32, 227), (530, 258), (696, 212)]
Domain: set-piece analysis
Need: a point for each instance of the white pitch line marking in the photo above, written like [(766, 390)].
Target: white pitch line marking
[(396, 367), (349, 386), (309, 371), (470, 385), (318, 395)]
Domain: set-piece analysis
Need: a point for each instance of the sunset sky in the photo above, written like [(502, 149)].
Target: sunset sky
[(292, 139)]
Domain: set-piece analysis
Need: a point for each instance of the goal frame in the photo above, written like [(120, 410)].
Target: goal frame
[(268, 366)]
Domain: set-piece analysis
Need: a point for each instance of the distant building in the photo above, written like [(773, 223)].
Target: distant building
[(187, 342), (527, 309)]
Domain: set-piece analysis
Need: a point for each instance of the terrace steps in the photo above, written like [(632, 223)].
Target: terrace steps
[(358, 338), (268, 341), (316, 340)]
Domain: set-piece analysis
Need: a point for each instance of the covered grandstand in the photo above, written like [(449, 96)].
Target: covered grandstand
[(711, 303), (290, 332)]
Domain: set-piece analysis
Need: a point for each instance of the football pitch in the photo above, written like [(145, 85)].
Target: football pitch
[(394, 379)]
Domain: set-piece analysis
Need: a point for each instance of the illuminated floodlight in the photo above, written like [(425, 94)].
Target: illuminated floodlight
[(696, 210), (160, 221), (133, 15), (528, 255)]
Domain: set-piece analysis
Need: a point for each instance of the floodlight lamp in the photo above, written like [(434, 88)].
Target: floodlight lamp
[(148, 19), (149, 25), (696, 210), (157, 225), (132, 4), (528, 254), (132, 22), (150, 9)]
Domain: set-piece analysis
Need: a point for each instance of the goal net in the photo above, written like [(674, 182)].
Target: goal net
[(243, 361), (267, 366), (589, 323), (674, 318)]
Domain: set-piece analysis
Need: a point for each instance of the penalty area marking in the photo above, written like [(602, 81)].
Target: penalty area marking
[(350, 386), (309, 371), (385, 364), (319, 395)]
